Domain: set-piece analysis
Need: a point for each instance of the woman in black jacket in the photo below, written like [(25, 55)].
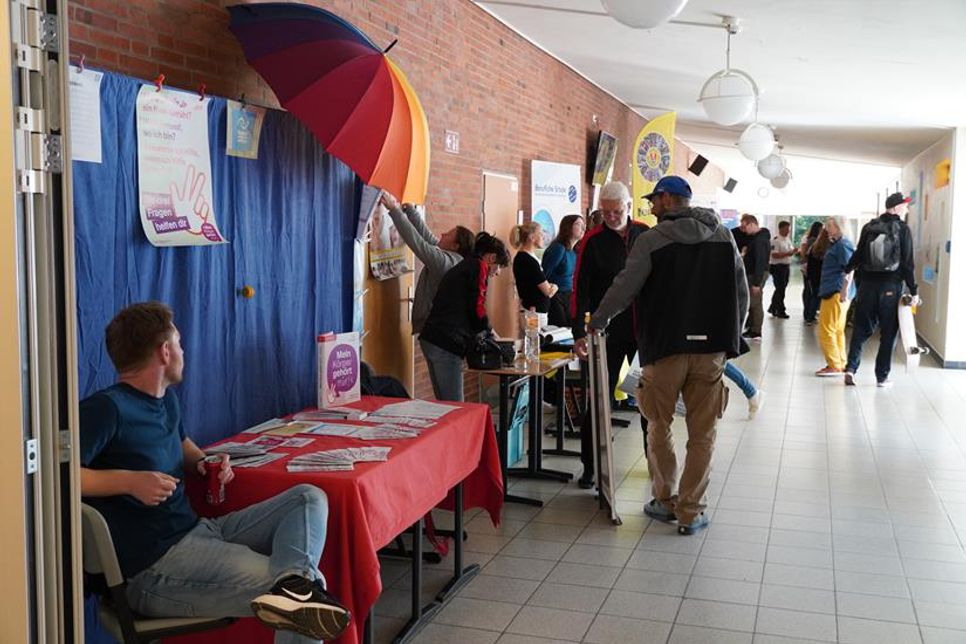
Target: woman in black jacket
[(459, 314)]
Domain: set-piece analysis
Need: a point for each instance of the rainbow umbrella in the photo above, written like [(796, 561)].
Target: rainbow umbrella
[(351, 96)]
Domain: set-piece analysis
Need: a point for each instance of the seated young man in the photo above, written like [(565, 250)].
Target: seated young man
[(135, 455)]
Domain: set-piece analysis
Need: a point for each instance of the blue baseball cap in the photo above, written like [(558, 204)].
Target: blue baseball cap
[(671, 185)]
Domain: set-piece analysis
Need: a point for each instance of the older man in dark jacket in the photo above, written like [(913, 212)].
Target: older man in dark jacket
[(691, 294)]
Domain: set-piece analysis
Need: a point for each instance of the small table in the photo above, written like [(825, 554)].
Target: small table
[(451, 465), (536, 373)]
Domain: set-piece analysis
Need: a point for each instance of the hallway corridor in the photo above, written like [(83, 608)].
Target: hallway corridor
[(836, 515)]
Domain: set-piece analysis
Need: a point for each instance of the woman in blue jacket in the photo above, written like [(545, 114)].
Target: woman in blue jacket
[(559, 260)]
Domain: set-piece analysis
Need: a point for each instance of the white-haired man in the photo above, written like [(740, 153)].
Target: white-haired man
[(600, 258)]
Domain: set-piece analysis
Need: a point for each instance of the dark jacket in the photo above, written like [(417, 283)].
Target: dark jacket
[(459, 310), (757, 257), (600, 257), (690, 287), (907, 265)]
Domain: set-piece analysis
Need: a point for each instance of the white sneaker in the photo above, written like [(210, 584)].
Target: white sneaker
[(885, 384), (755, 403)]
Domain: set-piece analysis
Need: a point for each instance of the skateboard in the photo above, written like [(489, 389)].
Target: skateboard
[(907, 333)]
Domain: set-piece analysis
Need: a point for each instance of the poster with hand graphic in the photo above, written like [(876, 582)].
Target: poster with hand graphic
[(174, 169)]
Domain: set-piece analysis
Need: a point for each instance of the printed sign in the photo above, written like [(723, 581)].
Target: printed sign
[(338, 369), (174, 169), (85, 115), (554, 194), (388, 254), (244, 130)]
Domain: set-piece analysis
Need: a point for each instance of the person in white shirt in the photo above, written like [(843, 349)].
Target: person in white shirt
[(782, 250)]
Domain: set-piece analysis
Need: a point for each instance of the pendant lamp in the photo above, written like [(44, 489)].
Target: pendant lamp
[(643, 14), (771, 166), (756, 142), (730, 95), (782, 179)]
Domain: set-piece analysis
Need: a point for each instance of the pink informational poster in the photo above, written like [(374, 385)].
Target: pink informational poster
[(174, 169), (338, 369)]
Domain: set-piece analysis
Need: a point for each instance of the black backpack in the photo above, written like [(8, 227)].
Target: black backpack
[(885, 247)]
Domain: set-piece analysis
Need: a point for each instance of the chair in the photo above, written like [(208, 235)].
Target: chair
[(115, 614)]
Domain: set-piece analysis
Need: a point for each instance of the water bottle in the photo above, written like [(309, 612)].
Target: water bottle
[(531, 337)]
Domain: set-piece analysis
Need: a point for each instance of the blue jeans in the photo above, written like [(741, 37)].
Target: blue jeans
[(876, 303), (445, 371), (219, 567), (737, 376)]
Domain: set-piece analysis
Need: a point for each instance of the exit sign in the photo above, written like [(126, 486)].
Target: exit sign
[(451, 141)]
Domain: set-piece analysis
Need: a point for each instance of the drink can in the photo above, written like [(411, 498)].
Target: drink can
[(215, 493)]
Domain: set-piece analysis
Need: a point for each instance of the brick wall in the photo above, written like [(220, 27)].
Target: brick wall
[(510, 102)]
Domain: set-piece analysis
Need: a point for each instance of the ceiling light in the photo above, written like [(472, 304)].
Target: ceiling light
[(643, 14), (730, 95), (756, 142), (782, 179), (771, 166)]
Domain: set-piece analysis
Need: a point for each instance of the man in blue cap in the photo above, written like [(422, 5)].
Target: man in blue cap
[(688, 282)]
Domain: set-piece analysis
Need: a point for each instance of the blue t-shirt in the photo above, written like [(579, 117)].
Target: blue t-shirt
[(558, 265), (123, 428)]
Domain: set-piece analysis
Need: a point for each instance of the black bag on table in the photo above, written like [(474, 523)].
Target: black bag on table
[(486, 353)]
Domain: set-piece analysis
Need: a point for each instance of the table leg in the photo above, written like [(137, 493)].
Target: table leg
[(504, 439), (559, 450), (461, 575), (420, 615), (369, 630)]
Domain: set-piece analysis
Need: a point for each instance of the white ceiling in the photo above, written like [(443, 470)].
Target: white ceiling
[(873, 81)]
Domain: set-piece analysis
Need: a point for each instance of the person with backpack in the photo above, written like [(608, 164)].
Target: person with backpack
[(883, 261)]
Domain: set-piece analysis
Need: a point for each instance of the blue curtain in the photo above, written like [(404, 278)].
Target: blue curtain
[(290, 218)]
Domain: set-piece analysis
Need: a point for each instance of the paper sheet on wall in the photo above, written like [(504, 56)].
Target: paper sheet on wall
[(244, 130), (174, 169), (85, 115)]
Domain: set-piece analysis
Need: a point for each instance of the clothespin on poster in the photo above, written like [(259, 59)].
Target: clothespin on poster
[(159, 82), (201, 92), (80, 63)]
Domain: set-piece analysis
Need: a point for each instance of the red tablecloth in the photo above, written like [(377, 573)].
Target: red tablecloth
[(372, 504)]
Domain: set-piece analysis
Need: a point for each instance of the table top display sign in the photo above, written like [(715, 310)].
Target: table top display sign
[(554, 194), (338, 378), (600, 395), (244, 130), (652, 158), (174, 169)]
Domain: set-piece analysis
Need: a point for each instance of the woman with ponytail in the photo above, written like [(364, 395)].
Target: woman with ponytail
[(533, 287), (458, 314)]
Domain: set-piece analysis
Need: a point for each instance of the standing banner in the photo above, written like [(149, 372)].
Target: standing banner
[(174, 169), (653, 154), (244, 130), (554, 194)]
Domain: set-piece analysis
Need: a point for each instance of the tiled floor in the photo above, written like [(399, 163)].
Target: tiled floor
[(836, 515)]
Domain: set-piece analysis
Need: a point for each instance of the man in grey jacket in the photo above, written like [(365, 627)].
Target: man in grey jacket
[(438, 255), (691, 294)]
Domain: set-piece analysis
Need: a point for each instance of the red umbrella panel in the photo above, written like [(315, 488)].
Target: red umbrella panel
[(356, 101)]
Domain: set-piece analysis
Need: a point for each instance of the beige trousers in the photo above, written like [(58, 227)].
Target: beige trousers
[(697, 376)]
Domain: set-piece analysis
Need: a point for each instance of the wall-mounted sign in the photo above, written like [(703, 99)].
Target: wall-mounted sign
[(451, 141)]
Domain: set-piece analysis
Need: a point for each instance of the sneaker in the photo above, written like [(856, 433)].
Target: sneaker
[(755, 403), (782, 316), (754, 337), (828, 372), (885, 384), (849, 379), (810, 322), (658, 511), (698, 523), (302, 605)]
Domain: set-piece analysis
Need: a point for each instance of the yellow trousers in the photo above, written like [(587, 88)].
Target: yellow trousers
[(831, 331)]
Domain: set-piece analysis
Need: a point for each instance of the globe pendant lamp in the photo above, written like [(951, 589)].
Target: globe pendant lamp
[(781, 181), (730, 95), (756, 142), (771, 166), (643, 14)]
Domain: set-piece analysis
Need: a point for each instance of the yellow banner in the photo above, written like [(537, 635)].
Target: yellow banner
[(652, 159)]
